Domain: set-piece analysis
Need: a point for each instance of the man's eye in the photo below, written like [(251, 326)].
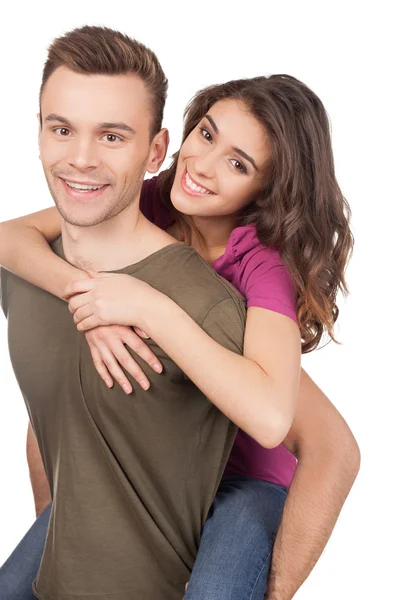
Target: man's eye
[(111, 137), (62, 131)]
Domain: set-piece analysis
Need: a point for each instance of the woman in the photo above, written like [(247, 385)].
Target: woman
[(254, 174)]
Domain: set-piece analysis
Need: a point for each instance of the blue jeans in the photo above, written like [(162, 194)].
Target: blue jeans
[(19, 570), (234, 555)]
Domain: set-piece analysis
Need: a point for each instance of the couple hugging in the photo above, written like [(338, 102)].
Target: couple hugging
[(156, 326)]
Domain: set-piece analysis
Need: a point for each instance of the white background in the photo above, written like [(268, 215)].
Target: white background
[(346, 53)]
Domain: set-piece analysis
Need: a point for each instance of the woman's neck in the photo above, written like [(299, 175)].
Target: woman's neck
[(210, 235)]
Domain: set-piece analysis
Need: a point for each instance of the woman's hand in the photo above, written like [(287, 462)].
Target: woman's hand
[(108, 299), (107, 347)]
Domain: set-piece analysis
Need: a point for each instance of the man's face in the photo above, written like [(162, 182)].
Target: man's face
[(94, 143)]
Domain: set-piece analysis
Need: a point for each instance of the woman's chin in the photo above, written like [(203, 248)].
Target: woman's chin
[(182, 203)]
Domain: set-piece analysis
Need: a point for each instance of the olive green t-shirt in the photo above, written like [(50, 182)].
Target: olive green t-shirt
[(132, 477)]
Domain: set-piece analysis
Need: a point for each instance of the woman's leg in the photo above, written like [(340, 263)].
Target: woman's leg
[(236, 544), (20, 569)]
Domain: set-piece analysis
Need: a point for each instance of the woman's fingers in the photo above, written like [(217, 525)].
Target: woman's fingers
[(114, 369), (77, 302), (140, 348), (100, 366), (82, 313), (141, 333), (111, 357), (88, 323), (78, 287), (117, 357), (129, 364)]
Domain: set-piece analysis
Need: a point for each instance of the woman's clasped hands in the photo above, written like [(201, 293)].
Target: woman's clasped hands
[(104, 307)]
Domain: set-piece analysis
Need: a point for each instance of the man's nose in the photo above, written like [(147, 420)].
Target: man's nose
[(83, 154)]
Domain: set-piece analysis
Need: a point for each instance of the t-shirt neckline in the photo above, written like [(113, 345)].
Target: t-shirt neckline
[(129, 269)]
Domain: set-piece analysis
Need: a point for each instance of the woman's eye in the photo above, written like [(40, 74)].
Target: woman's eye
[(205, 134), (111, 137), (238, 165), (62, 131)]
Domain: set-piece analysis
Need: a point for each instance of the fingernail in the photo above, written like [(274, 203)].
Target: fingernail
[(109, 383), (126, 388), (144, 384), (157, 368)]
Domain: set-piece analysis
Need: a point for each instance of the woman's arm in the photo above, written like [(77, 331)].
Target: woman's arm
[(329, 460), (257, 391), (24, 250)]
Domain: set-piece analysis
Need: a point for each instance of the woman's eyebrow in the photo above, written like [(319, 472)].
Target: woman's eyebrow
[(238, 150), (212, 123), (246, 156)]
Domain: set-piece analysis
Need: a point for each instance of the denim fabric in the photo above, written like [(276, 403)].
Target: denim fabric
[(234, 555), (19, 570)]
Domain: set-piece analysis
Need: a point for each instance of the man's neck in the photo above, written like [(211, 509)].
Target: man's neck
[(115, 243)]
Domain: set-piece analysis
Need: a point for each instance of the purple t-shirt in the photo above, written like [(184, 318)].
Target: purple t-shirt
[(260, 275)]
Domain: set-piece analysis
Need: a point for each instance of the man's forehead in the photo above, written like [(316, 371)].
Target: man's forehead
[(95, 98)]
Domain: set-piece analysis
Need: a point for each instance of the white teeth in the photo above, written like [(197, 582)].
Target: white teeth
[(194, 187), (82, 186)]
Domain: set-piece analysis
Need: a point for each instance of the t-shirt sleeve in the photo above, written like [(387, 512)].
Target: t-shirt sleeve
[(269, 285), (225, 323)]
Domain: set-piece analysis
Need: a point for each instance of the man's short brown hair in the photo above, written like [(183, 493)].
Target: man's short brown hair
[(103, 51)]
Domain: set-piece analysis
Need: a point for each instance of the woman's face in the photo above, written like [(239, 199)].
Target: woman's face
[(222, 164)]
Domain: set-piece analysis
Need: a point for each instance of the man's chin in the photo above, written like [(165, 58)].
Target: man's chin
[(79, 218)]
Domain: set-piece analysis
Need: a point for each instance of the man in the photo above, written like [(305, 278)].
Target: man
[(132, 479)]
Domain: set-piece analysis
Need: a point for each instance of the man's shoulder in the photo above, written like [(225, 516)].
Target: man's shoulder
[(179, 272), (180, 269), (206, 296)]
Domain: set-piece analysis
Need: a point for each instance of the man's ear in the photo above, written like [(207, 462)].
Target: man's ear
[(158, 151)]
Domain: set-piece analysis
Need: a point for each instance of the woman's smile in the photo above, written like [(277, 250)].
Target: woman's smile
[(192, 187)]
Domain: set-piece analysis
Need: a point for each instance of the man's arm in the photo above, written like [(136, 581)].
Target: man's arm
[(40, 485), (329, 460)]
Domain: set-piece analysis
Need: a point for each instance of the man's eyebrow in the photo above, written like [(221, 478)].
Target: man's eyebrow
[(238, 150), (58, 118), (120, 126), (107, 125)]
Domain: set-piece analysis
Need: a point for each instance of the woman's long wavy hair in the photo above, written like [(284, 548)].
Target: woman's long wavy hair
[(301, 208)]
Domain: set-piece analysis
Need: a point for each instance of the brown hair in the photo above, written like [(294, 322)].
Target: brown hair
[(301, 208), (103, 51)]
